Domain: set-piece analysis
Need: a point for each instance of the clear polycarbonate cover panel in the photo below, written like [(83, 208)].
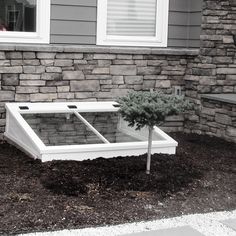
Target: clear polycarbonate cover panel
[(57, 129), (114, 129)]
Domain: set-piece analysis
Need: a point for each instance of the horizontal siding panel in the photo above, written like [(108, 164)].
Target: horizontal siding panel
[(73, 28), (178, 18), (177, 32), (195, 19), (177, 43), (75, 2), (74, 22), (194, 32), (76, 13), (194, 43), (73, 39), (179, 5), (195, 5)]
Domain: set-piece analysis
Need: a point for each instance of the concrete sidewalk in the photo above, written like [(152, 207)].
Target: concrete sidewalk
[(209, 224)]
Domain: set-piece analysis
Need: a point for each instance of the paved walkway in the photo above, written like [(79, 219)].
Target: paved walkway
[(210, 224)]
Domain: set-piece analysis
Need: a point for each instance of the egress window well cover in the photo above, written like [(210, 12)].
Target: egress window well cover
[(78, 131)]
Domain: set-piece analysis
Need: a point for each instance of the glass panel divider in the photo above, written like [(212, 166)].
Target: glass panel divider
[(91, 127)]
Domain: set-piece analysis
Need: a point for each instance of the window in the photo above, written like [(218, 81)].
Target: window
[(78, 131), (132, 22), (24, 21)]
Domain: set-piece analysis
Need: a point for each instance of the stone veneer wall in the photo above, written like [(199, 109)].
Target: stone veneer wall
[(57, 73), (214, 71)]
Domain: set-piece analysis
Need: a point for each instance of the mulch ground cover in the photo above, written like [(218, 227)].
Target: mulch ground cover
[(37, 196)]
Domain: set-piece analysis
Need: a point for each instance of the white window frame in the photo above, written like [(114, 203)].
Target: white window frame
[(20, 133), (159, 40), (42, 34)]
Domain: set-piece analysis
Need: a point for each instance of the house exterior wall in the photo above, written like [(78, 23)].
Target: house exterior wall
[(47, 74), (214, 71), (91, 73), (74, 22)]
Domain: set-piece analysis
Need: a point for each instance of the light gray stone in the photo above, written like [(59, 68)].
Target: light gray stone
[(66, 95), (117, 79), (231, 131), (22, 97), (133, 79), (34, 69), (98, 56), (163, 84), (85, 86), (32, 83), (27, 90), (29, 77), (10, 79), (66, 62), (29, 55), (69, 55), (18, 62), (228, 39), (2, 56), (226, 71), (14, 55), (80, 62), (32, 62), (46, 55), (205, 80), (47, 62), (89, 77), (148, 70), (63, 89), (122, 62), (47, 89), (43, 97), (51, 76), (7, 96), (223, 119), (10, 69), (73, 75), (101, 70), (140, 62), (5, 63), (148, 84), (52, 69), (123, 70), (124, 56)]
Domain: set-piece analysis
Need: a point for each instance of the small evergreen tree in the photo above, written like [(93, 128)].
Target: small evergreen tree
[(150, 109)]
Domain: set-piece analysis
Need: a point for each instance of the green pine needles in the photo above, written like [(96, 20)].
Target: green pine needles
[(150, 109)]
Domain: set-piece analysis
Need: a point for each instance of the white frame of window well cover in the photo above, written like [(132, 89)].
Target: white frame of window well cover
[(19, 132)]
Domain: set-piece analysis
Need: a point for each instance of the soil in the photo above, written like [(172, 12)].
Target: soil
[(37, 196)]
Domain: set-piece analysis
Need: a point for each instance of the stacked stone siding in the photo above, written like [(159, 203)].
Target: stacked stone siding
[(36, 76), (75, 73), (214, 71)]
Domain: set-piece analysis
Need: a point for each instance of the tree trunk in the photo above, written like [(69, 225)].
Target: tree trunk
[(150, 131)]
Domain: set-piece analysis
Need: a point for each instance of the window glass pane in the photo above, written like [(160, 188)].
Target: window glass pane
[(109, 126), (131, 17), (18, 15), (61, 129)]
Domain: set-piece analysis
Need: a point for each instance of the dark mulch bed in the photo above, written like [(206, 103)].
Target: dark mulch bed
[(37, 196)]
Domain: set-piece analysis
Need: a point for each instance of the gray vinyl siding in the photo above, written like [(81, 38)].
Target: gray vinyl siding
[(184, 23), (74, 22)]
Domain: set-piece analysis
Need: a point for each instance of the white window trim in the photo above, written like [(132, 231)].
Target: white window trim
[(42, 34), (159, 40)]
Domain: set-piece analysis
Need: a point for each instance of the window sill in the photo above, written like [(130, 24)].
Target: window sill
[(99, 49)]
